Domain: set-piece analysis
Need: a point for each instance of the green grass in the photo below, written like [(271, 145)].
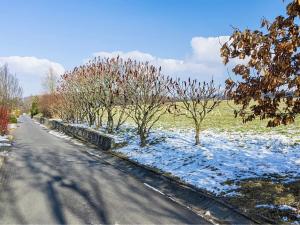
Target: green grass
[(13, 119), (222, 119)]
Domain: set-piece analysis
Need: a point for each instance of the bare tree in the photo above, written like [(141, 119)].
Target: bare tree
[(10, 90), (68, 106), (111, 96), (50, 81), (95, 89), (195, 100), (146, 89)]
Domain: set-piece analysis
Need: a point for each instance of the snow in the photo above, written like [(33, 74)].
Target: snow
[(279, 207), (5, 144), (266, 206), (222, 156), (287, 208), (4, 141), (66, 137), (3, 138), (59, 135), (81, 125), (12, 126)]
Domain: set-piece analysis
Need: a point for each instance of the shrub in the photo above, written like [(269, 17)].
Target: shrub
[(4, 118), (13, 119), (146, 91), (197, 100), (34, 108)]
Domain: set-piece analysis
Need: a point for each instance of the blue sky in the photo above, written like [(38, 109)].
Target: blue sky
[(67, 32)]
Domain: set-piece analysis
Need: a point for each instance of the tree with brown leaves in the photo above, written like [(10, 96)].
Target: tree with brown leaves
[(270, 75)]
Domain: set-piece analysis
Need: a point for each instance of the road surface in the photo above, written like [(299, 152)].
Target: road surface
[(49, 180)]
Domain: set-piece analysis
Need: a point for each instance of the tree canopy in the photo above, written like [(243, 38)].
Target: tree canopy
[(268, 83)]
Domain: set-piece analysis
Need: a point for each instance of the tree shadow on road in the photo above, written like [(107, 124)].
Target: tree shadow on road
[(79, 187)]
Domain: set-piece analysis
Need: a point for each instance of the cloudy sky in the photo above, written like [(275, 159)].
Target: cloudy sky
[(183, 36)]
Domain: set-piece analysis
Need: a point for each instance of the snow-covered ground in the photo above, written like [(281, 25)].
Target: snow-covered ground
[(282, 208), (4, 141), (221, 157)]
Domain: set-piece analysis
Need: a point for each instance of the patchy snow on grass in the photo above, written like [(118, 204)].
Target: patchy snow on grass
[(4, 138), (286, 208), (4, 141), (265, 206), (279, 207), (5, 144), (221, 157), (82, 125)]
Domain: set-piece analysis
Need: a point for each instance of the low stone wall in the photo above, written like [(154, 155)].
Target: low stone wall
[(91, 136)]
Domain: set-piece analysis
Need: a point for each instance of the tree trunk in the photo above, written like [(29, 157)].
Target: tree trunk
[(110, 122), (98, 119), (197, 135), (143, 136), (120, 120), (143, 139)]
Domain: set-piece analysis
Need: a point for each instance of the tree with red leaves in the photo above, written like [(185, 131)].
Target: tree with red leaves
[(4, 118)]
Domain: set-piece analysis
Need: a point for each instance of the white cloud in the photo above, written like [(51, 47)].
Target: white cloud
[(208, 49), (202, 63), (30, 71), (137, 55)]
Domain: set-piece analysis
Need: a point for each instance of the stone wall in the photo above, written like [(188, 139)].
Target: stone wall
[(102, 141)]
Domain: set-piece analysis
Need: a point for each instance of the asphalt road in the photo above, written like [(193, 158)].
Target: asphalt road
[(49, 180)]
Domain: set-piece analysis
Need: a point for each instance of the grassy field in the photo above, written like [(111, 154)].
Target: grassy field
[(222, 119)]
